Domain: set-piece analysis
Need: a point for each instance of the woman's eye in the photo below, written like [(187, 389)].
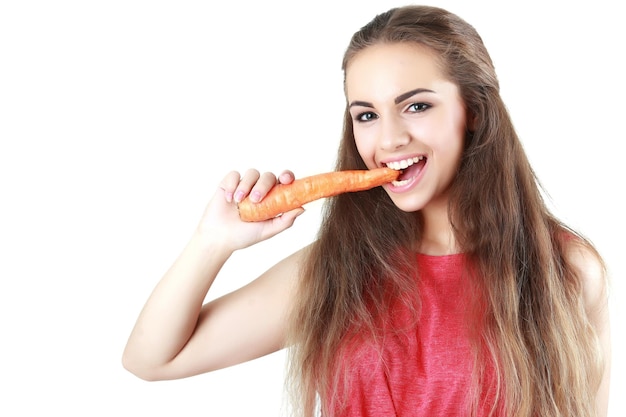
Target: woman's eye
[(366, 116), (418, 107)]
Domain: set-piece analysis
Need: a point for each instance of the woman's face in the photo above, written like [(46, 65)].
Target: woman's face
[(407, 116)]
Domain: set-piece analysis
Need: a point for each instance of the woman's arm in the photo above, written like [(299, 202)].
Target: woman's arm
[(176, 335)]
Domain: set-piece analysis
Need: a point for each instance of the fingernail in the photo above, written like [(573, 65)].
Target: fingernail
[(255, 196), (238, 196), (229, 196)]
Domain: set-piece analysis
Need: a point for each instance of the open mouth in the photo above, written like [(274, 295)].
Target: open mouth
[(410, 169)]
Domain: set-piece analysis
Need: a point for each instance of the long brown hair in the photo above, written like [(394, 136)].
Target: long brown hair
[(535, 330)]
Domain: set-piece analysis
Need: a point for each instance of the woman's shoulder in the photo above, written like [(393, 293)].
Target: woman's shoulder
[(588, 266)]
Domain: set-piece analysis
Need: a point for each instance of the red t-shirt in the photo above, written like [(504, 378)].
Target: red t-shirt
[(427, 370)]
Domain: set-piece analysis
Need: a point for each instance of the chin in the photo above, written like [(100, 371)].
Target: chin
[(408, 205)]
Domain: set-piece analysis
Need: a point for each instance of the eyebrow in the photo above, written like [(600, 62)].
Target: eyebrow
[(396, 100)]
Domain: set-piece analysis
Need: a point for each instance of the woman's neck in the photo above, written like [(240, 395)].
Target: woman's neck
[(437, 234)]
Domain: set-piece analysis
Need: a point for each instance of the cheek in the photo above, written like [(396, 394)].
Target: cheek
[(453, 147), (448, 138), (456, 134), (365, 146), (456, 147)]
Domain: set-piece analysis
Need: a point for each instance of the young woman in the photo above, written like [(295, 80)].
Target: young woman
[(451, 291)]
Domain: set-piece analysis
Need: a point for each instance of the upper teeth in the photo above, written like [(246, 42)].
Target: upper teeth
[(405, 163)]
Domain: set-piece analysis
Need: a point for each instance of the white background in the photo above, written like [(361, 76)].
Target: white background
[(118, 118)]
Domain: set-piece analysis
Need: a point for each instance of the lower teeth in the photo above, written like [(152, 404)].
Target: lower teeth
[(400, 183)]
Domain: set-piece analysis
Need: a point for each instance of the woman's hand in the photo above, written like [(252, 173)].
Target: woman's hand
[(220, 221)]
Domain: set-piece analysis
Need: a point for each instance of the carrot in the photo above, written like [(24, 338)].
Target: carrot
[(285, 197)]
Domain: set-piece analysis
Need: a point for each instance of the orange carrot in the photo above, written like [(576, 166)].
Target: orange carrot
[(285, 197)]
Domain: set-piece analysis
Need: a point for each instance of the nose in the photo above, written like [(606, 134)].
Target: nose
[(394, 134)]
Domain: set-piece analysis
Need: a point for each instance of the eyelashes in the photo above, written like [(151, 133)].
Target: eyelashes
[(419, 107), (368, 116)]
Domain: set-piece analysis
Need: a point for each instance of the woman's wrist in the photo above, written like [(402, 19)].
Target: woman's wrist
[(211, 244)]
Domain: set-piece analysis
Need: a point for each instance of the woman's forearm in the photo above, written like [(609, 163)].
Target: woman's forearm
[(169, 317)]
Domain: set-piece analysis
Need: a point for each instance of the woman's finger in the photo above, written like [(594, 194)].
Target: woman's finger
[(248, 180), (229, 184), (265, 183), (286, 177)]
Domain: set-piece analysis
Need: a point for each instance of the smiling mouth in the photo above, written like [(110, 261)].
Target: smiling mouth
[(410, 169)]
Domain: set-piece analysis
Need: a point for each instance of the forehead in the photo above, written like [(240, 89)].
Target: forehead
[(391, 68)]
